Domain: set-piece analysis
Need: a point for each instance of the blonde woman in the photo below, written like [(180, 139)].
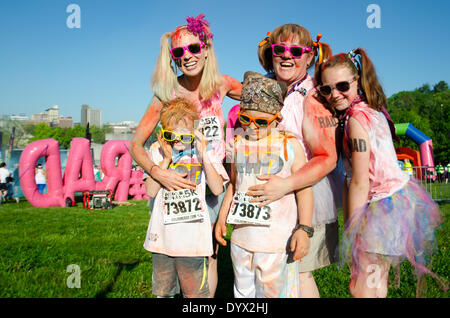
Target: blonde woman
[(189, 48)]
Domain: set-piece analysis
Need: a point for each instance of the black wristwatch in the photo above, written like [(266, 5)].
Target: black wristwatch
[(309, 230)]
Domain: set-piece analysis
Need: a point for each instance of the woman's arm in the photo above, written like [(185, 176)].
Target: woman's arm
[(152, 187), (305, 207), (171, 180), (358, 191), (232, 87), (319, 129)]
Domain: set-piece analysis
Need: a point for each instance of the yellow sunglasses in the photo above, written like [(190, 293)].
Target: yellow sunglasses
[(172, 136)]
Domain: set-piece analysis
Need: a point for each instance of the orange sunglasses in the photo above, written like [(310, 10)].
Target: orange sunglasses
[(259, 122)]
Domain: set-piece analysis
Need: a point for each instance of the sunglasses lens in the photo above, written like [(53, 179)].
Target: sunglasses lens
[(278, 50), (343, 86), (177, 52), (244, 119), (261, 122), (296, 51), (187, 139), (169, 136), (194, 48), (325, 90)]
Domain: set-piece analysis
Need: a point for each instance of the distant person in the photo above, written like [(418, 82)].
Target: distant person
[(4, 174), (16, 182), (447, 172), (97, 173), (440, 172), (41, 178), (408, 167)]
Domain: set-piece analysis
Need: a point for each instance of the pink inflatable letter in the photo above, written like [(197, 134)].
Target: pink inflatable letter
[(49, 149), (116, 175), (79, 163), (137, 189)]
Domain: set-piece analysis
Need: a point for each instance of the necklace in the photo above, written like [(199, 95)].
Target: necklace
[(297, 84)]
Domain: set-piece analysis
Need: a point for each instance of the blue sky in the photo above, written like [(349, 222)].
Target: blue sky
[(108, 62)]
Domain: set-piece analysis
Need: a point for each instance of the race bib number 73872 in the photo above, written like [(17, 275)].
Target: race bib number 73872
[(182, 206)]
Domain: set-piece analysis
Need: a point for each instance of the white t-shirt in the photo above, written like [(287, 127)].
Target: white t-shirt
[(40, 177), (186, 238), (254, 158), (3, 174)]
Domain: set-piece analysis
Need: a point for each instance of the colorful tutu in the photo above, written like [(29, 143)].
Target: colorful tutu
[(393, 229)]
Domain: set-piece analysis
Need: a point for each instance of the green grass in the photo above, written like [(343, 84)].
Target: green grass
[(440, 191), (332, 282), (37, 245)]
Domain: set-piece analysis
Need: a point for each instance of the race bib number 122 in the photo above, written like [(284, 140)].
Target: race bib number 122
[(242, 211), (182, 206), (210, 128)]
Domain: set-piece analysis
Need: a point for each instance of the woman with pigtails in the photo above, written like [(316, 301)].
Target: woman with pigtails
[(287, 53), (190, 49)]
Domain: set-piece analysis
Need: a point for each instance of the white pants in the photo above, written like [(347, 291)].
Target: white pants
[(262, 275)]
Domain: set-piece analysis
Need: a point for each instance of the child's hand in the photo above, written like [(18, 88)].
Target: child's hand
[(165, 146), (200, 142), (221, 232), (299, 244)]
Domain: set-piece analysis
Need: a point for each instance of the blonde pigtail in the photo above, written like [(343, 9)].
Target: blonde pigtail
[(164, 79)]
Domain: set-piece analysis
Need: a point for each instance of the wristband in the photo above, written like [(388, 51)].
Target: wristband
[(309, 230)]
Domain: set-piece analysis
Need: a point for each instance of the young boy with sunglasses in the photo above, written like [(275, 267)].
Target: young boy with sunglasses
[(179, 233), (263, 237)]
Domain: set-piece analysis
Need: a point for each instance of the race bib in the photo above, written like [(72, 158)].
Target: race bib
[(242, 211), (182, 206), (210, 128)]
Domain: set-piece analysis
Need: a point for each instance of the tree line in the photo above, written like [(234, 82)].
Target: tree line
[(26, 133)]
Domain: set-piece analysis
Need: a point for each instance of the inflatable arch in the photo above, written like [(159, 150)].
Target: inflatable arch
[(425, 147), (425, 143)]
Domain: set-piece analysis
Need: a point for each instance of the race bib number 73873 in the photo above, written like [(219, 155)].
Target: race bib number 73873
[(242, 211)]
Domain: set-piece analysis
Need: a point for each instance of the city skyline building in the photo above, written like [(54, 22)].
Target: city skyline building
[(91, 115)]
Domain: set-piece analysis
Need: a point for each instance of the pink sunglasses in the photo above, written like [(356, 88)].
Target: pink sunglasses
[(295, 50), (193, 48)]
